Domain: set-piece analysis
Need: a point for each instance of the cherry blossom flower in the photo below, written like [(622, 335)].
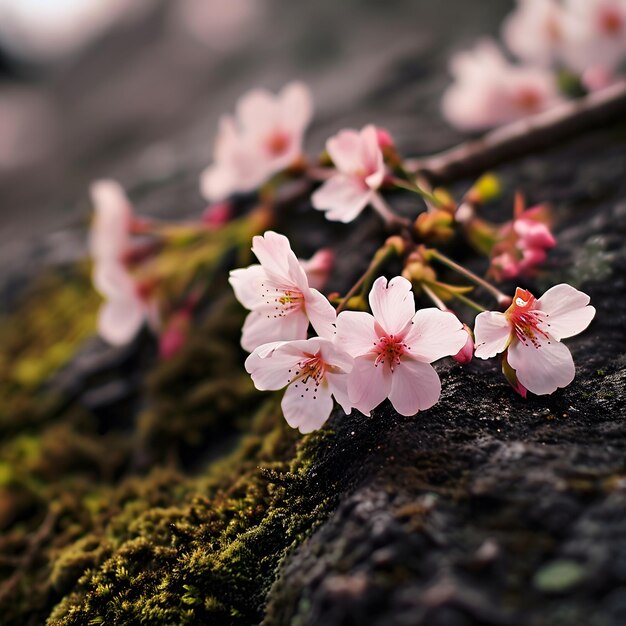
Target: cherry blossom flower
[(489, 91), (535, 30), (596, 41), (278, 295), (360, 171), (263, 138), (313, 370), (393, 348), (530, 334), (127, 304)]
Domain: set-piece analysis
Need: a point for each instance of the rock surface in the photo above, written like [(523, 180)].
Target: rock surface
[(133, 493)]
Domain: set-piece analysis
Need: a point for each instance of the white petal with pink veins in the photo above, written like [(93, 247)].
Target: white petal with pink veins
[(119, 320), (355, 332), (259, 329), (415, 387), (307, 408), (567, 311), (392, 303), (435, 334), (368, 384), (343, 197), (544, 369), (492, 332)]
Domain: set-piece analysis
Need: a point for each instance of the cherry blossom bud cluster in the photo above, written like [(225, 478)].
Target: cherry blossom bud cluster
[(523, 244), (585, 37)]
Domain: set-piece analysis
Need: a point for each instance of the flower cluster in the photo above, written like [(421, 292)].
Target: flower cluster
[(371, 344), (584, 40)]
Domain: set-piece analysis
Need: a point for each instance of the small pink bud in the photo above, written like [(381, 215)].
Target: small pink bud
[(466, 353), (385, 140), (218, 214), (319, 267), (175, 335)]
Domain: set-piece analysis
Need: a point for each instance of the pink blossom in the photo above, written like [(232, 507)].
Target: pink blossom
[(278, 295), (393, 348), (263, 138), (313, 370), (360, 172), (535, 30), (524, 243), (174, 336), (530, 334), (127, 305), (318, 267), (489, 91), (596, 38)]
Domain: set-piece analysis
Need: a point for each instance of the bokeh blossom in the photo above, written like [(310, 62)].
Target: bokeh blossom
[(393, 348), (358, 158), (529, 334), (489, 91), (263, 138)]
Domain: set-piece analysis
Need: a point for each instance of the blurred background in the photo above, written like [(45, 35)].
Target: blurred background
[(133, 89)]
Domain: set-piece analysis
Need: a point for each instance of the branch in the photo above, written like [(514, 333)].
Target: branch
[(524, 136)]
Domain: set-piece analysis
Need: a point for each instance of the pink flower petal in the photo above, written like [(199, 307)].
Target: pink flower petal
[(259, 329), (415, 387), (318, 268), (372, 157), (296, 103), (119, 320), (307, 408), (492, 332), (392, 303), (368, 384), (274, 252), (321, 313), (246, 284), (344, 150), (543, 369), (355, 332), (271, 372), (435, 334), (338, 385), (109, 236), (342, 197), (566, 310)]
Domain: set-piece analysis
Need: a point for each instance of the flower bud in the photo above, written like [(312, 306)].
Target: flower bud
[(466, 353)]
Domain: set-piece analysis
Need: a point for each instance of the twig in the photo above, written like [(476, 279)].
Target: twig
[(527, 135)]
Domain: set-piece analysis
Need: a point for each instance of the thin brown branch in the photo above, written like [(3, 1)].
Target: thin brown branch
[(533, 133)]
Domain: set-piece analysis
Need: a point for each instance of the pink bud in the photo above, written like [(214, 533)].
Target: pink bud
[(318, 268), (218, 214), (466, 353), (385, 140), (175, 335)]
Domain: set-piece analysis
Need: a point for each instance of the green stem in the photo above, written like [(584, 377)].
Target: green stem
[(501, 298), (381, 256), (437, 301), (405, 184)]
